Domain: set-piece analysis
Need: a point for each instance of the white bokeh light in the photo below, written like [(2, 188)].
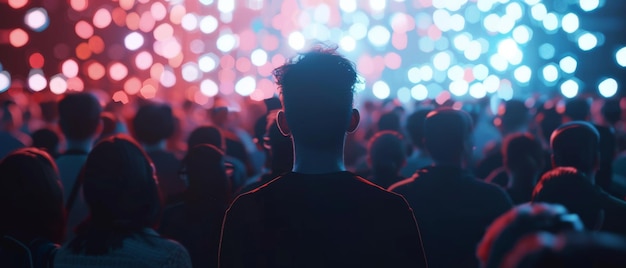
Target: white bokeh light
[(207, 63), (620, 57), (58, 84), (459, 88), (189, 22), (381, 90), (608, 87), (570, 23), (589, 5), (208, 24), (36, 19), (347, 43), (36, 81), (477, 90), (419, 92), (570, 88), (587, 41), (258, 57), (550, 73), (441, 61), (5, 81), (209, 88), (523, 74), (378, 36), (190, 72), (226, 42), (133, 41), (296, 40), (245, 86), (568, 64)]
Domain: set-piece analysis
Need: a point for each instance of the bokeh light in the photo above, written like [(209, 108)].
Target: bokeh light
[(608, 87), (37, 19)]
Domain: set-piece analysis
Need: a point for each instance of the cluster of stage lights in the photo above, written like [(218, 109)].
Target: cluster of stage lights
[(441, 48)]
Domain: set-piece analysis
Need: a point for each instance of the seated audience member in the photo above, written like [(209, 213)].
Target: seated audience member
[(450, 204), (503, 234), (79, 121), (211, 135), (386, 156), (31, 200), (280, 156), (572, 249), (153, 124), (569, 187), (419, 158), (319, 215), (513, 117), (523, 164), (47, 140), (576, 144), (196, 222), (124, 202)]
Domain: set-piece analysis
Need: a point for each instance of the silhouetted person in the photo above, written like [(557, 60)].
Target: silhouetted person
[(196, 222), (31, 201), (569, 187), (570, 249), (523, 164), (514, 117), (386, 156), (576, 144), (505, 231), (389, 121), (280, 153), (319, 215), (122, 192), (452, 207), (212, 135), (153, 124), (79, 120), (47, 140), (415, 128), (234, 146)]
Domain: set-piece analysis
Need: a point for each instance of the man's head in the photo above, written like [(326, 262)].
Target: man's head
[(153, 123), (448, 135), (386, 152), (523, 155), (415, 127), (575, 144), (572, 189), (577, 110), (79, 116), (206, 135), (389, 121), (514, 115), (317, 90)]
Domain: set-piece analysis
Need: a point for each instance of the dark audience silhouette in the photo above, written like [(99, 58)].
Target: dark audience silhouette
[(386, 157), (152, 125), (319, 215), (449, 204), (31, 201), (124, 202), (196, 221)]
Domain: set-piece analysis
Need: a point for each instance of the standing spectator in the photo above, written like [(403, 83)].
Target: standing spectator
[(452, 207), (124, 205), (31, 200), (153, 125), (319, 215), (79, 120), (386, 156)]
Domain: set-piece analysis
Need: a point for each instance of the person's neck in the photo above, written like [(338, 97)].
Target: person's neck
[(159, 146), (80, 145), (316, 160)]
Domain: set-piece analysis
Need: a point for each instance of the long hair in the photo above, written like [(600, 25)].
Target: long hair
[(31, 196), (209, 185), (122, 193)]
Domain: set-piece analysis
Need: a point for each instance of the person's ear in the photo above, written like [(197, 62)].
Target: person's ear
[(355, 118), (281, 122)]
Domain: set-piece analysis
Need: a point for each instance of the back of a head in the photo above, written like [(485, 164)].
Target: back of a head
[(206, 135), (578, 109), (522, 152), (120, 186), (46, 139), (153, 123), (575, 144), (386, 151), (31, 196), (514, 115), (569, 187), (79, 116), (502, 235), (206, 174), (317, 90), (612, 111), (447, 133), (389, 121), (415, 127), (570, 249), (548, 120)]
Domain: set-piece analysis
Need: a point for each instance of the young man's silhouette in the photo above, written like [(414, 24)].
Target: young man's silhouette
[(319, 215)]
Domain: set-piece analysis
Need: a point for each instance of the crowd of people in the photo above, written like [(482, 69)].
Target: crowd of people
[(311, 181)]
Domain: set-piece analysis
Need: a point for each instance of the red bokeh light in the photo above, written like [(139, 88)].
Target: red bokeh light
[(36, 60), (18, 37)]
